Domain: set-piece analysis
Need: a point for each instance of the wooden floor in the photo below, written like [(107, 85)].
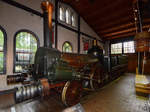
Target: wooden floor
[(118, 96)]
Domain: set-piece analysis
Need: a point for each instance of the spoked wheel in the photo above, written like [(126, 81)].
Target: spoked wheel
[(72, 93), (97, 77)]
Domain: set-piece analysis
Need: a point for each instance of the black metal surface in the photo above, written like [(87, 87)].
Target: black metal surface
[(122, 48), (27, 92), (109, 57), (47, 31), (98, 53), (139, 29), (56, 23), (139, 63), (139, 16), (45, 61), (48, 64), (12, 79)]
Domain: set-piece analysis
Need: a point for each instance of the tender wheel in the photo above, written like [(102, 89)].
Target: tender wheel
[(72, 93), (97, 77)]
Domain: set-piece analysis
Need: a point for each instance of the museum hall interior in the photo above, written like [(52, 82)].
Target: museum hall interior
[(75, 56)]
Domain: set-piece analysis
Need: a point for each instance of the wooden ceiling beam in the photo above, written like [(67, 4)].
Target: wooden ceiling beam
[(118, 28), (124, 26), (124, 35), (120, 32), (113, 23), (121, 36), (124, 31)]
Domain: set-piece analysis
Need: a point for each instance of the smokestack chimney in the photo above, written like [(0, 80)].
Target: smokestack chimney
[(47, 8)]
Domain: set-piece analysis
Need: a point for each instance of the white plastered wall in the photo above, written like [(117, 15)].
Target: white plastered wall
[(67, 35), (85, 28), (13, 19)]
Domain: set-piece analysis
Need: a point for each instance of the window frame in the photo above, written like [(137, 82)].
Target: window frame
[(22, 30), (69, 44), (73, 15), (71, 12), (123, 47), (4, 50)]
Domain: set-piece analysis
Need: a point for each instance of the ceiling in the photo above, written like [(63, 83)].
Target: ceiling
[(109, 19)]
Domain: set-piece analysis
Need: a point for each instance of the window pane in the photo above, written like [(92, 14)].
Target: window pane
[(1, 52), (116, 48), (73, 20), (67, 47), (61, 14), (1, 62), (26, 46), (129, 47), (68, 20), (1, 40)]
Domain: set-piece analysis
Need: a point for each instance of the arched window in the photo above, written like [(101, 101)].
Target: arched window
[(2, 51), (73, 22), (68, 16), (26, 44), (67, 47), (61, 14)]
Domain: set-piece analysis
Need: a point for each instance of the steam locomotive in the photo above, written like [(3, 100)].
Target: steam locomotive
[(64, 72), (67, 73)]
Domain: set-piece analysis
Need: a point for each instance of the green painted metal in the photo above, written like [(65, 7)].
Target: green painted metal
[(48, 64)]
